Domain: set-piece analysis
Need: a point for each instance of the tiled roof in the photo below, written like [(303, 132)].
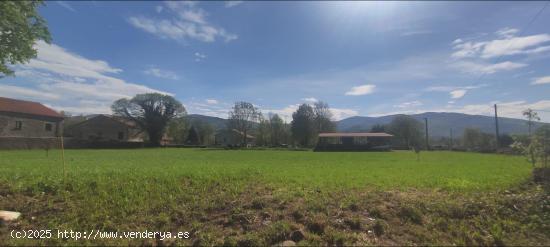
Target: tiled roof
[(26, 107), (362, 134)]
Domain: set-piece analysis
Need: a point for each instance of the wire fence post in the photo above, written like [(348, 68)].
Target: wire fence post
[(63, 160)]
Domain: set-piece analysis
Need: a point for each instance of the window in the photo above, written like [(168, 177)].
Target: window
[(120, 135), (48, 127), (18, 125)]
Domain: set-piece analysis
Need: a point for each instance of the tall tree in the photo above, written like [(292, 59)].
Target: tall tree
[(407, 130), (242, 118), (193, 137), (151, 111), (277, 128), (263, 132), (205, 131), (323, 117), (531, 117), (20, 28), (303, 125)]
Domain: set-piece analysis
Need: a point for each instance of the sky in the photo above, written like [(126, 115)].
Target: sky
[(362, 58)]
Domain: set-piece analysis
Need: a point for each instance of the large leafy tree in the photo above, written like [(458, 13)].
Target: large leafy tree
[(242, 117), (303, 125), (151, 111), (20, 27), (277, 130), (323, 117), (193, 137), (407, 130), (205, 131)]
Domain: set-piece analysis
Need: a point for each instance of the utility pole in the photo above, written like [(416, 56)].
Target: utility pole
[(426, 125), (496, 128)]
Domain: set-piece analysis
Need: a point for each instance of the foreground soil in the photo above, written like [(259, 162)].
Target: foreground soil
[(261, 215)]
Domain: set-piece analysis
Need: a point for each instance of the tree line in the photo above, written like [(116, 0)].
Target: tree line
[(162, 115)]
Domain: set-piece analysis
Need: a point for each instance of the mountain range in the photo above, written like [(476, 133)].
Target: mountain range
[(439, 123)]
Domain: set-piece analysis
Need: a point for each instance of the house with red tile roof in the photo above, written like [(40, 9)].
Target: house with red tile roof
[(27, 119)]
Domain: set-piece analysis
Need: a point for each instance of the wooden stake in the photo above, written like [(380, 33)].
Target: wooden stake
[(63, 159)]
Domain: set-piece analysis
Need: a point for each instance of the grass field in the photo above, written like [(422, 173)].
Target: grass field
[(264, 197)]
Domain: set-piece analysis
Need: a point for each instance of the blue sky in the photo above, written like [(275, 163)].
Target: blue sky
[(363, 58)]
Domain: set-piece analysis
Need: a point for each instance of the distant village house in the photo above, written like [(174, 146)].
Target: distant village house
[(232, 137), (106, 128)]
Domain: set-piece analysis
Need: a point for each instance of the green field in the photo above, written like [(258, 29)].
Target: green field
[(227, 196)]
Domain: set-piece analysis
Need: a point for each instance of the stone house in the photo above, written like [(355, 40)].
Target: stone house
[(106, 128), (28, 125), (27, 119)]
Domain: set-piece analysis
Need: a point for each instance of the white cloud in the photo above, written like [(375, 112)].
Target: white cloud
[(66, 5), (409, 104), (339, 113), (193, 15), (506, 46), (229, 4), (208, 107), (188, 22), (199, 56), (457, 41), (452, 88), (541, 80), (310, 100), (457, 94), (286, 112), (27, 93), (507, 32), (211, 101), (487, 68), (361, 90), (160, 73), (516, 45), (71, 82)]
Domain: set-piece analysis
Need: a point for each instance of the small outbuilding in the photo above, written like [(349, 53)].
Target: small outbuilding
[(232, 138), (353, 142)]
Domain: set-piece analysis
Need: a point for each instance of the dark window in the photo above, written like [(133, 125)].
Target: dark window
[(18, 125), (48, 127), (120, 135)]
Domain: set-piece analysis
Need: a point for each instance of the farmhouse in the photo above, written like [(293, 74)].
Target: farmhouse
[(106, 128), (232, 137), (27, 124), (353, 142)]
